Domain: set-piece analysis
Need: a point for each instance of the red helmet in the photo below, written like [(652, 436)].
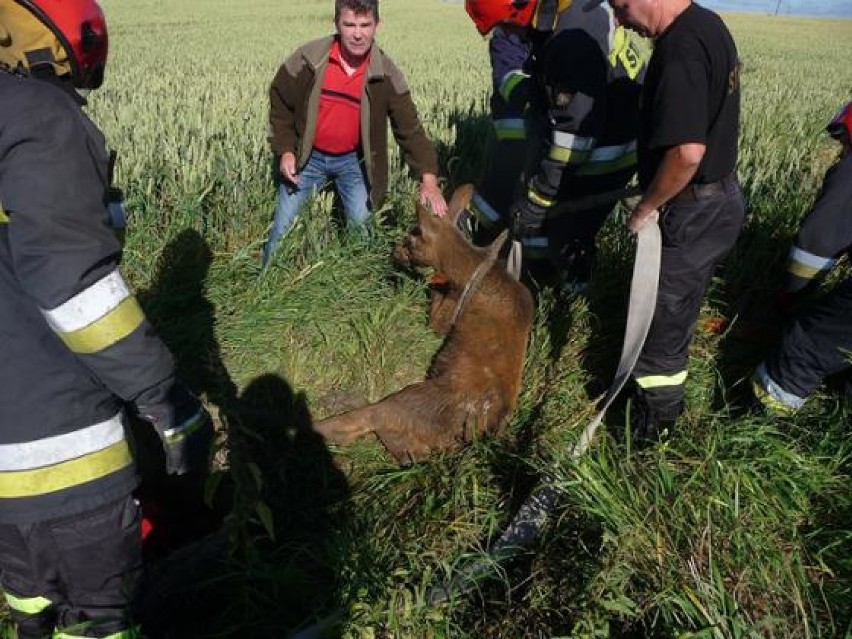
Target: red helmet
[(538, 14), (487, 14), (68, 35), (842, 122)]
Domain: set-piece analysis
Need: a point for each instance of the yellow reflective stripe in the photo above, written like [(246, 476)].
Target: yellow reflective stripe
[(510, 134), (40, 481), (625, 50), (619, 43), (802, 270), (112, 327), (130, 633), (565, 155), (535, 198), (510, 82), (28, 605), (186, 429), (805, 264), (610, 166), (4, 219), (657, 381), (48, 451), (765, 398)]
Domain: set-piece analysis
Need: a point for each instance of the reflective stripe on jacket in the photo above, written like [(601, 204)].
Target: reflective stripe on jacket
[(74, 344)]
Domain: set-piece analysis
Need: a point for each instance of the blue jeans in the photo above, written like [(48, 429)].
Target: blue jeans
[(348, 176)]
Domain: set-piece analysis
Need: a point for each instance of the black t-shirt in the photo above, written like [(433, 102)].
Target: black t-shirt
[(692, 95)]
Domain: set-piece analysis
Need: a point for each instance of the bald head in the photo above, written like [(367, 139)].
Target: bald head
[(648, 18)]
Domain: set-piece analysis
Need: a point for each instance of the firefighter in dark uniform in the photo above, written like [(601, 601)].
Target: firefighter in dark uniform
[(587, 76), (818, 342), (76, 352), (687, 171), (510, 54)]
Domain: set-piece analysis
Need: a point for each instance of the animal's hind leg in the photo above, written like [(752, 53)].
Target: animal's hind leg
[(346, 428), (411, 426)]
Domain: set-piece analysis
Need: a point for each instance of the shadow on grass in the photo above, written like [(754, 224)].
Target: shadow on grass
[(272, 566)]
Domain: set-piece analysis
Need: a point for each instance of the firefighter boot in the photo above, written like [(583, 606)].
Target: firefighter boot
[(651, 422)]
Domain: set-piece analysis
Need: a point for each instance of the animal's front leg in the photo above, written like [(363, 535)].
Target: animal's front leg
[(443, 305)]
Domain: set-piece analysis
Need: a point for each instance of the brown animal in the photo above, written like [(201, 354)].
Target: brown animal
[(473, 384)]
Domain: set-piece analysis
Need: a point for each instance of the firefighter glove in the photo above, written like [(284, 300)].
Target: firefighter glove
[(527, 218), (185, 429)]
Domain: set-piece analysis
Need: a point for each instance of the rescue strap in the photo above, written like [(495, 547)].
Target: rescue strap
[(524, 528), (479, 273)]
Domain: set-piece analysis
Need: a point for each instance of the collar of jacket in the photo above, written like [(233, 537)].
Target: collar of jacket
[(316, 53)]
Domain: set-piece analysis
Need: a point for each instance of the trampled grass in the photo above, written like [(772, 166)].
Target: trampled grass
[(741, 526)]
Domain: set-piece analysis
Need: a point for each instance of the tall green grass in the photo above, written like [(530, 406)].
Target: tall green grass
[(738, 527)]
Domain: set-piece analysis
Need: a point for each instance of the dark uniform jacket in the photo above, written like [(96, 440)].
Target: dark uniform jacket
[(826, 233), (510, 79), (74, 343), (294, 103), (589, 75)]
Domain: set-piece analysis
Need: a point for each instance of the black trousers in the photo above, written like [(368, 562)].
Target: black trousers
[(74, 574), (697, 234), (817, 343)]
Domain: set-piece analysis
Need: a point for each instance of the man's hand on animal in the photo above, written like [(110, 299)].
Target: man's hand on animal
[(641, 216), (184, 426), (288, 168), (431, 196)]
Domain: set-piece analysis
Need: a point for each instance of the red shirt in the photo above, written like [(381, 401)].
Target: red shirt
[(339, 118)]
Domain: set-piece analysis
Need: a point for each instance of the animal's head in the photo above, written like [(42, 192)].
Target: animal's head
[(433, 234)]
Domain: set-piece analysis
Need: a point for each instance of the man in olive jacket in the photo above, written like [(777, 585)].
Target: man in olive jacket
[(329, 106)]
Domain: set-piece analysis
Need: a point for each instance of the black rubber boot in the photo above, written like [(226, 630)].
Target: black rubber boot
[(651, 422)]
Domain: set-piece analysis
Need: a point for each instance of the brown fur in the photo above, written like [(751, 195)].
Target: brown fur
[(473, 384)]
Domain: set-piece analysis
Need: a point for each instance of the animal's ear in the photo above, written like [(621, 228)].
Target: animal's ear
[(428, 222), (424, 216), (459, 202)]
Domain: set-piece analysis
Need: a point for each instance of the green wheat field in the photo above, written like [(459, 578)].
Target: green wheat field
[(739, 526)]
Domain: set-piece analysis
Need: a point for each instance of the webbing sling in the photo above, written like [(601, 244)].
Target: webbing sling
[(523, 530)]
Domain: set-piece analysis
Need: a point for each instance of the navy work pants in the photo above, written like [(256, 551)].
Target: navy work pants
[(74, 575), (818, 343), (697, 234)]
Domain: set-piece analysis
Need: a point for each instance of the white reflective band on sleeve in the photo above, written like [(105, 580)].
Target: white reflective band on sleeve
[(88, 306), (515, 124), (571, 141), (776, 392), (809, 259), (54, 450), (538, 242), (484, 208), (607, 153)]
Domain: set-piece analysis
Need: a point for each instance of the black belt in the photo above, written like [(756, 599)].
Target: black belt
[(697, 192)]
